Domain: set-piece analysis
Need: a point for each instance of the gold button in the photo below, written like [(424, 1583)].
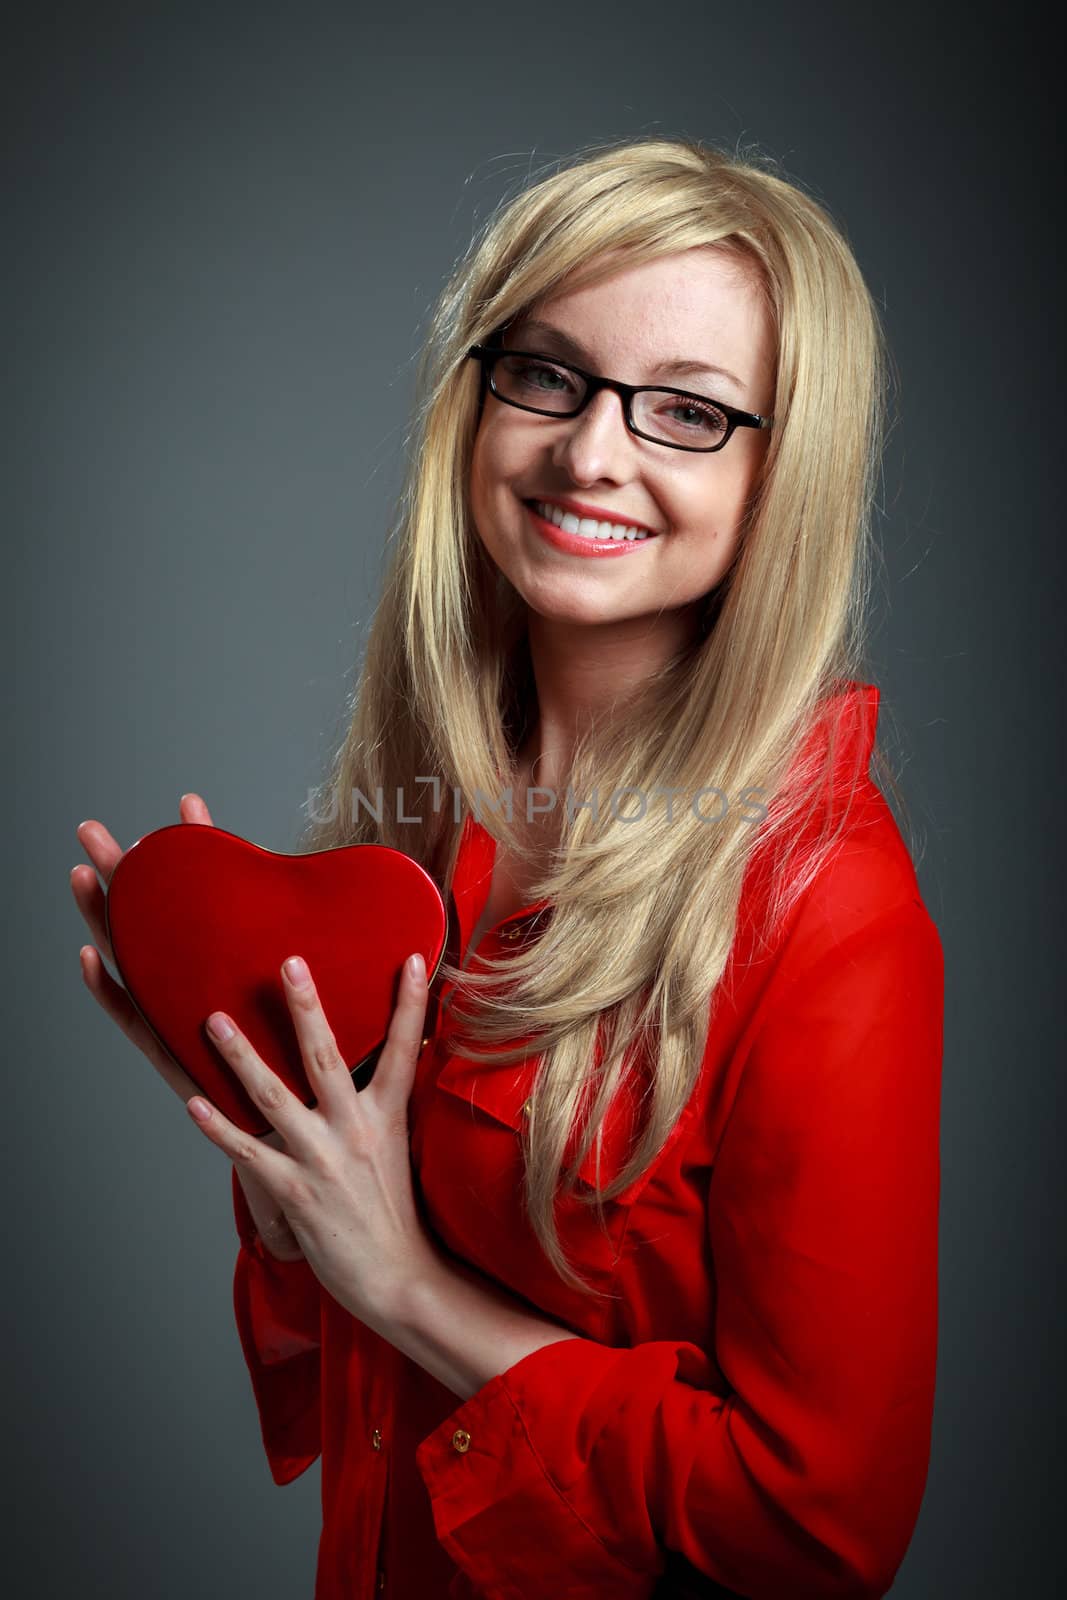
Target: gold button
[(461, 1440), (527, 1108), (376, 1439), (425, 1041)]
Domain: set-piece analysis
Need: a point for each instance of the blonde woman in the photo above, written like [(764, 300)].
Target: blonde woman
[(619, 1276)]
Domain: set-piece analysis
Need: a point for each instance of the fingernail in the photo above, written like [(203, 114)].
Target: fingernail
[(219, 1026), (417, 967), (297, 973)]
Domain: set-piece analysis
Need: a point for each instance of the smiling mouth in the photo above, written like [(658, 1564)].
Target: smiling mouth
[(591, 528)]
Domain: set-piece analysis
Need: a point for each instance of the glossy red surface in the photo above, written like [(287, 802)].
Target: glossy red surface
[(200, 920)]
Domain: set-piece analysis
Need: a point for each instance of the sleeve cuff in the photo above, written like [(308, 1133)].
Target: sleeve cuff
[(277, 1311), (498, 1510)]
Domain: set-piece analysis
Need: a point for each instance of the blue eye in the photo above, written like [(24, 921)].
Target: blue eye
[(538, 384), (538, 374), (691, 416)]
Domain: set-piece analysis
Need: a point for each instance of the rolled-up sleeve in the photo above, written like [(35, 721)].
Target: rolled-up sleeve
[(582, 1466), (277, 1310)]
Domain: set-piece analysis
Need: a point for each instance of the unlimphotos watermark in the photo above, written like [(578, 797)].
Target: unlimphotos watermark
[(708, 805)]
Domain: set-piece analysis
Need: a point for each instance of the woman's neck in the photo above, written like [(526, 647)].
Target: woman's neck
[(584, 672)]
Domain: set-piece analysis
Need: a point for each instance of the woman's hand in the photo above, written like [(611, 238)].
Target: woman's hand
[(105, 853), (344, 1177)]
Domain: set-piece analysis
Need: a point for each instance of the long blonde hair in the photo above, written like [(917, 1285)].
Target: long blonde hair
[(642, 918)]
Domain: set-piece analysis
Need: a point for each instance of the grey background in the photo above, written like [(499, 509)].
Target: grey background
[(226, 228)]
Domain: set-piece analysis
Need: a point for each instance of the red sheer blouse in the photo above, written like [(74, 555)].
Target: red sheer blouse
[(750, 1404)]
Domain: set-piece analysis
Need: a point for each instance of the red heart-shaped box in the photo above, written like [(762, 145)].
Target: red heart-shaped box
[(201, 920)]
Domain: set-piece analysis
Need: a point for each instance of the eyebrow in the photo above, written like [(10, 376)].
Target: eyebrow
[(665, 369)]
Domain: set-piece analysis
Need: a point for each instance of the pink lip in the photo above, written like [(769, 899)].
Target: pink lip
[(573, 544), (578, 508)]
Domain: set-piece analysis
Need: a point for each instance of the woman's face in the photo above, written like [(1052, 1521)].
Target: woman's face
[(697, 306)]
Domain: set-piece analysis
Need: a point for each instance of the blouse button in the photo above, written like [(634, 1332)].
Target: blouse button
[(380, 1580), (425, 1041), (527, 1107), (461, 1440), (376, 1439)]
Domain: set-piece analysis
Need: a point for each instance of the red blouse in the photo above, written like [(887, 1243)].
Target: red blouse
[(751, 1403)]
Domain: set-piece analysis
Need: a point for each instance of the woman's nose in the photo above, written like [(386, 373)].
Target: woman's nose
[(597, 441)]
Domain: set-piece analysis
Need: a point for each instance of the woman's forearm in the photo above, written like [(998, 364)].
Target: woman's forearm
[(463, 1329)]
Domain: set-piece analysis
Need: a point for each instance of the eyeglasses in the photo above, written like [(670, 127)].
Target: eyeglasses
[(552, 388)]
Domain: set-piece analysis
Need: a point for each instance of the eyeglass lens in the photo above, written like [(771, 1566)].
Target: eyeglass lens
[(557, 391)]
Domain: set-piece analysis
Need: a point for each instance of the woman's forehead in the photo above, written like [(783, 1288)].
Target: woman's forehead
[(686, 289), (663, 319)]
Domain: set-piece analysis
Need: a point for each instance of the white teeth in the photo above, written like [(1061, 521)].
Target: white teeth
[(589, 527)]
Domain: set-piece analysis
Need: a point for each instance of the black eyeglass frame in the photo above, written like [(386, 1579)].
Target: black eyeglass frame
[(488, 355)]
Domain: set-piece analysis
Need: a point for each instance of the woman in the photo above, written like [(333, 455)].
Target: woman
[(620, 1276)]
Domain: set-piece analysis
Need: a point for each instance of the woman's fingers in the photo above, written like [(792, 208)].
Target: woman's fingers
[(112, 997), (191, 808), (88, 885), (272, 1224), (104, 851), (402, 1044), (327, 1073), (102, 848), (89, 898), (277, 1102)]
